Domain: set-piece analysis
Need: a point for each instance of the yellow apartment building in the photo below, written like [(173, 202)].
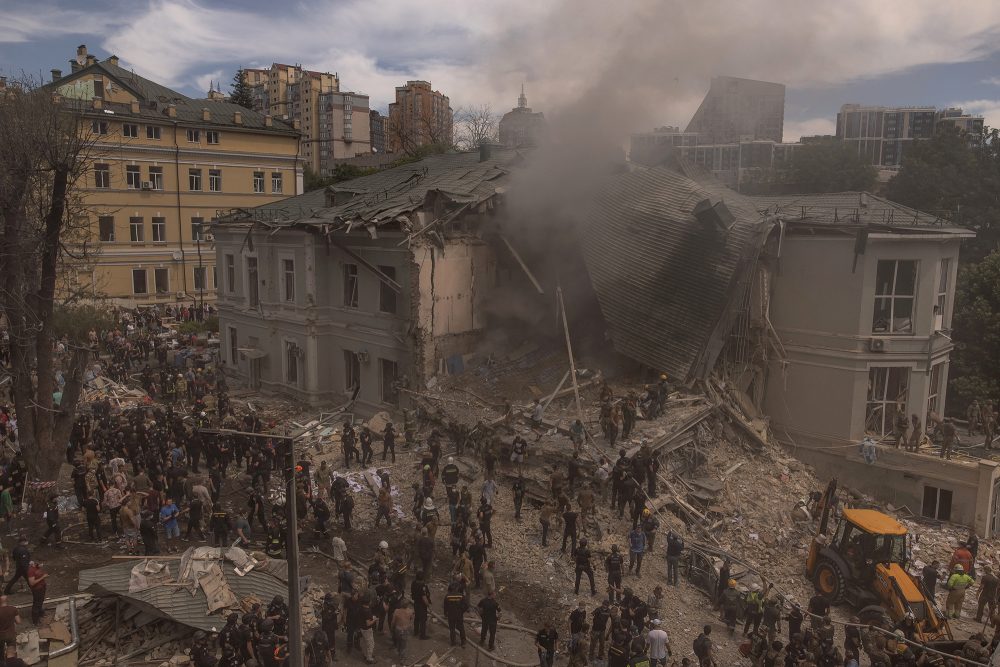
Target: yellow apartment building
[(164, 164)]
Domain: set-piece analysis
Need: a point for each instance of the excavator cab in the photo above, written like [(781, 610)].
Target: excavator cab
[(864, 563)]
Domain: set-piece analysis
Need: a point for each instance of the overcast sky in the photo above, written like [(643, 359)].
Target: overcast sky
[(644, 62)]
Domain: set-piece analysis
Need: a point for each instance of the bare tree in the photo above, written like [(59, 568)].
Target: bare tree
[(424, 134), (45, 149), (476, 125)]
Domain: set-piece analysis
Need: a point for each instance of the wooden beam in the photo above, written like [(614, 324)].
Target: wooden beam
[(524, 266), (392, 284), (551, 396)]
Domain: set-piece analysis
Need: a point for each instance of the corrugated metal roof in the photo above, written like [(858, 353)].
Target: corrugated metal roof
[(176, 602), (852, 208), (664, 280), (387, 194)]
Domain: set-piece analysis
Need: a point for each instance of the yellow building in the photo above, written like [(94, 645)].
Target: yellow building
[(164, 164)]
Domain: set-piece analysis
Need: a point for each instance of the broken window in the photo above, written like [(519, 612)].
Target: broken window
[(887, 388), (234, 346), (895, 288), (937, 503), (288, 279), (351, 285), (230, 274), (386, 295), (388, 374), (941, 307), (291, 363), (352, 370), (253, 293), (934, 390)]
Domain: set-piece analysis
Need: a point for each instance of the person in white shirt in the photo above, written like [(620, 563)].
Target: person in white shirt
[(659, 645)]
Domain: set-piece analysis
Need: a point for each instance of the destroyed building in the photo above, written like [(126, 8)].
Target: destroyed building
[(354, 289)]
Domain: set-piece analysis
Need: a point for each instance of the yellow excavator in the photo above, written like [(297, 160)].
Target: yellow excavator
[(864, 563)]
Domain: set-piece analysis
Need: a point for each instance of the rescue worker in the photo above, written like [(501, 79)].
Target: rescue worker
[(949, 437), (583, 565), (730, 606), (754, 606), (988, 586), (957, 584), (614, 565), (454, 610), (636, 550)]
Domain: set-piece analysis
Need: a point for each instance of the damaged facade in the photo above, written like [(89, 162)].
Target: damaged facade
[(366, 286)]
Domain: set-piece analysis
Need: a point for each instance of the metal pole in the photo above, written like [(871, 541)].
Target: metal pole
[(294, 604)]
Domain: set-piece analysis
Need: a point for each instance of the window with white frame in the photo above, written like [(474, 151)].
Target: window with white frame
[(194, 136), (276, 183), (288, 280), (156, 178), (133, 177), (161, 280), (159, 229), (887, 388), (215, 180), (153, 132), (351, 285), (99, 126), (934, 390), (895, 291), (102, 176), (194, 180), (258, 181), (130, 130), (211, 136), (136, 230), (197, 228), (941, 305)]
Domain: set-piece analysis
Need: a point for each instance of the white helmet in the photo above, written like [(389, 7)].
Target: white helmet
[(451, 459), (383, 545)]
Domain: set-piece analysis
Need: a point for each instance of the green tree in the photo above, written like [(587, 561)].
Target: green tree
[(342, 172), (829, 166), (958, 179), (975, 365), (242, 92)]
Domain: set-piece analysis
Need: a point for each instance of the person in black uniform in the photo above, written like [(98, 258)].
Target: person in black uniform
[(454, 610), (220, 526), (330, 620), (489, 612), (421, 595), (583, 565)]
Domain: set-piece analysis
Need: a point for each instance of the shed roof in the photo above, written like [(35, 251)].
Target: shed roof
[(176, 602), (667, 282), (852, 208)]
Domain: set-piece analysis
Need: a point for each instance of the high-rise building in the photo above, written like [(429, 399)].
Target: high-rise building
[(521, 126), (882, 134), (420, 116), (343, 123), (290, 91), (740, 109), (161, 167), (376, 124)]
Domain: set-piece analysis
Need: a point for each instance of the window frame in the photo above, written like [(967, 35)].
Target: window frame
[(197, 229), (291, 364), (194, 178), (258, 182), (99, 127), (879, 404), (387, 394), (352, 370), (386, 293), (209, 135), (252, 282), (133, 177), (156, 178), (934, 386), (277, 183), (287, 278), (145, 282), (130, 130), (204, 277), (230, 273), (157, 272), (136, 229), (158, 227), (234, 346), (194, 136), (215, 180), (102, 237), (102, 176), (154, 132), (350, 275), (894, 298), (943, 291)]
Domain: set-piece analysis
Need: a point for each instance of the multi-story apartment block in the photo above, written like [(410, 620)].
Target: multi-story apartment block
[(313, 98), (344, 128), (420, 116), (163, 165), (882, 134), (376, 124), (738, 109)]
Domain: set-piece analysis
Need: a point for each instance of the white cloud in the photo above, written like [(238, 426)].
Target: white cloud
[(988, 109), (796, 129), (29, 23), (645, 62), (992, 81), (212, 79)]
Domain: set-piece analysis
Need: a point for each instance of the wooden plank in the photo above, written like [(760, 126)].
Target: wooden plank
[(524, 266), (551, 396), (392, 284)]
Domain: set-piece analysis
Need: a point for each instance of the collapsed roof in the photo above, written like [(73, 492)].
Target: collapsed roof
[(669, 258), (395, 195)]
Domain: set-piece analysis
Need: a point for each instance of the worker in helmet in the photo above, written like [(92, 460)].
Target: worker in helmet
[(957, 584), (730, 605)]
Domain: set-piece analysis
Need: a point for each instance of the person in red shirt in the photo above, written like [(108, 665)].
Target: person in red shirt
[(37, 584), (963, 557)]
